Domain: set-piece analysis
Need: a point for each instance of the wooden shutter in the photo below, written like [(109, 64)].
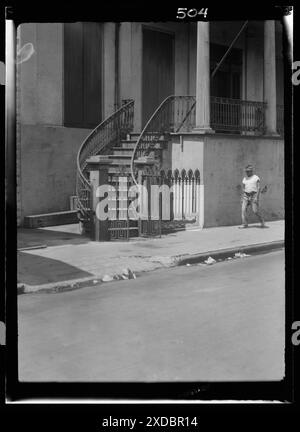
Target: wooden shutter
[(73, 74), (83, 75), (92, 61)]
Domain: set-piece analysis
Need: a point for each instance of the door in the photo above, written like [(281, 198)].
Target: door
[(226, 84), (158, 70)]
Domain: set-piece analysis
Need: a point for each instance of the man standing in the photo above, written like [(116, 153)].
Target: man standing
[(251, 192)]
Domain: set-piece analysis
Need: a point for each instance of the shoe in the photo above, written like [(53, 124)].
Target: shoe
[(263, 225), (243, 226)]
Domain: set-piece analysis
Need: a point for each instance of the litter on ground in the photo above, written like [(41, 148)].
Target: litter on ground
[(210, 261), (128, 274), (107, 278), (240, 255)]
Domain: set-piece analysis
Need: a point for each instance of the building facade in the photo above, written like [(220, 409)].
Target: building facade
[(81, 73)]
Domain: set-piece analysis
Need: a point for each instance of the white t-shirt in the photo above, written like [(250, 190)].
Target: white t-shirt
[(251, 183)]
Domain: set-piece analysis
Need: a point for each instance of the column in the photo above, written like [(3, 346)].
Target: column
[(98, 167), (203, 79), (270, 77)]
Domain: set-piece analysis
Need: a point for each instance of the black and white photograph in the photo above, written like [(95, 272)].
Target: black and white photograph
[(150, 198)]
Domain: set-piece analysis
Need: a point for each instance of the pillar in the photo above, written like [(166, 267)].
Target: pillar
[(270, 78), (203, 79), (98, 167)]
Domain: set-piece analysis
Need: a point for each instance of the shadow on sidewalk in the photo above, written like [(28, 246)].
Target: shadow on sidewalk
[(37, 270), (34, 237)]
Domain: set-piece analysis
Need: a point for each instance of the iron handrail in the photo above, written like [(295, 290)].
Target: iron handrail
[(154, 131)]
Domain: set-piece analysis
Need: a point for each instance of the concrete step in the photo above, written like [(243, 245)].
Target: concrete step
[(115, 169), (51, 219), (120, 160), (120, 156), (127, 144), (118, 151), (116, 180), (131, 143), (134, 135)]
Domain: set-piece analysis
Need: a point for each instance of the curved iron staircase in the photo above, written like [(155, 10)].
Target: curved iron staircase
[(110, 138), (105, 139)]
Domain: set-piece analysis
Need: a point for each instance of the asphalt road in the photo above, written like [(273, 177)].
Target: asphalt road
[(223, 322)]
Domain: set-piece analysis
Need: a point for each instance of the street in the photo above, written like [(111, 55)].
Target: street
[(223, 322)]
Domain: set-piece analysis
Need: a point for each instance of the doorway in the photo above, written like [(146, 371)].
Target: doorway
[(158, 70)]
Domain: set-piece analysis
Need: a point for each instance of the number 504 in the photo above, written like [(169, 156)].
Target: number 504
[(191, 13)]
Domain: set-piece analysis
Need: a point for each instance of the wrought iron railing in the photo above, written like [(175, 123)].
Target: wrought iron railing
[(280, 119), (173, 204), (236, 115), (174, 114), (106, 135)]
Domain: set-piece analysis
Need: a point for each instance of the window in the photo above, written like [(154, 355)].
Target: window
[(82, 74)]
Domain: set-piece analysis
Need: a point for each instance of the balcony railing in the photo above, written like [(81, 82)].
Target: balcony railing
[(236, 115)]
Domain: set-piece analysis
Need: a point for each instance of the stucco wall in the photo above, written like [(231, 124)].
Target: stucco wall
[(48, 167), (41, 76), (224, 161), (187, 153), (221, 160)]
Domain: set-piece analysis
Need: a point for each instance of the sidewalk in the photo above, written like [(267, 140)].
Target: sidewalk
[(58, 258)]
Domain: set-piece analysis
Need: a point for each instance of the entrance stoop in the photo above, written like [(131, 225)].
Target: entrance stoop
[(51, 219)]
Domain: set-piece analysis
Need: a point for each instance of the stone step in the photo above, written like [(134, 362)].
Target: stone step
[(120, 160), (134, 135), (127, 144), (51, 219), (120, 156), (113, 180), (115, 169), (122, 151)]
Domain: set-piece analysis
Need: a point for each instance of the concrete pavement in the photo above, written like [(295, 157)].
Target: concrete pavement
[(58, 258)]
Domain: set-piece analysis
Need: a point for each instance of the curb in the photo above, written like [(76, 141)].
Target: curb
[(179, 260), (225, 253)]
